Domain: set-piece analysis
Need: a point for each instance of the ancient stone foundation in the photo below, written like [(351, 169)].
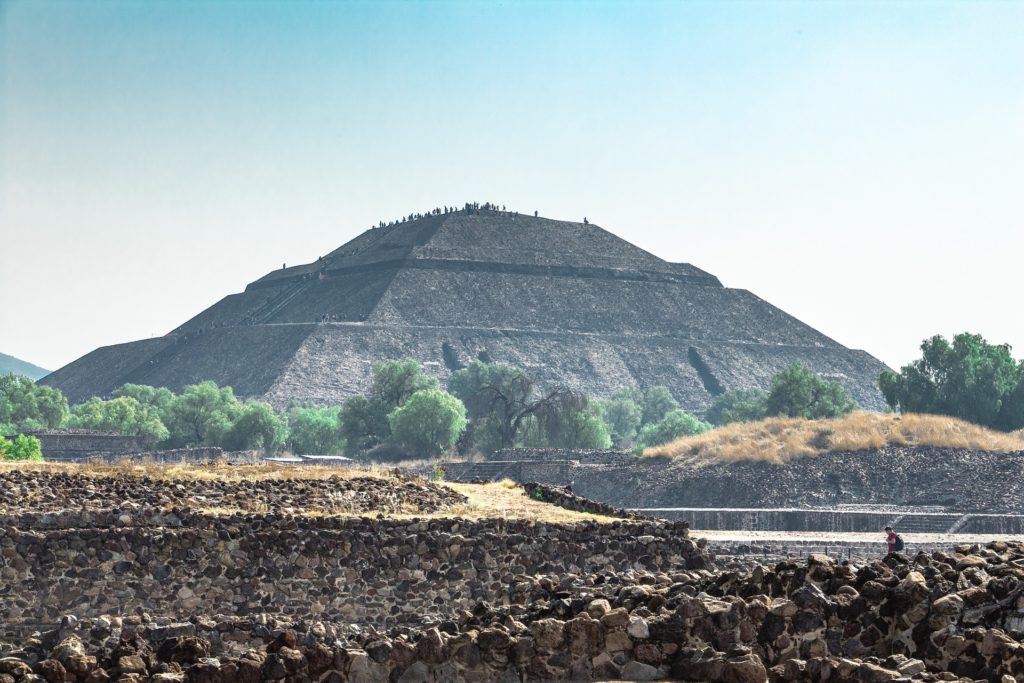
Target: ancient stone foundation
[(372, 571), (943, 616)]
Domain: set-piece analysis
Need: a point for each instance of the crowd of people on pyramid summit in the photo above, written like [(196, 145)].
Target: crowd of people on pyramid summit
[(469, 208)]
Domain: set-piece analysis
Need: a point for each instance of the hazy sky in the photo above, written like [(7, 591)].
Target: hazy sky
[(860, 165)]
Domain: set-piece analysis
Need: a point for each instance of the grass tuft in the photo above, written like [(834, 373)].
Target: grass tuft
[(778, 439)]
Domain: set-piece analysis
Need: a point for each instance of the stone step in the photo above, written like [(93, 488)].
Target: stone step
[(920, 524)]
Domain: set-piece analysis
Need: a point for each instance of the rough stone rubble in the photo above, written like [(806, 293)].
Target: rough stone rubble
[(948, 616)]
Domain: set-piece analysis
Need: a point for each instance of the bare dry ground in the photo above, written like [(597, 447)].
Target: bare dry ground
[(780, 439)]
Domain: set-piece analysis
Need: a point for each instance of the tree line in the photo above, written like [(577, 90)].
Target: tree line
[(486, 406), (405, 413)]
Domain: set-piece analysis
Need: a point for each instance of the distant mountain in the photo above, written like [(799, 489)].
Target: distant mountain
[(11, 365)]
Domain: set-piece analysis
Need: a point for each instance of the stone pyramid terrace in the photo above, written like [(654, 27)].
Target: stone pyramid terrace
[(569, 302)]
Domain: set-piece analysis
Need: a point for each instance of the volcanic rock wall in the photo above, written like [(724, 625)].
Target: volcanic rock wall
[(944, 616), (354, 570), (956, 479)]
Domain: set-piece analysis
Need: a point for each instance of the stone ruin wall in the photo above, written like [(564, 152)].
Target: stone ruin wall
[(376, 571), (70, 444)]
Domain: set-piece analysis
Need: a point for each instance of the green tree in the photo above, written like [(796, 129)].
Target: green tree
[(506, 398), (578, 429), (623, 415), (361, 426), (673, 425), (738, 405), (158, 399), (21, 448), (122, 415), (364, 421), (256, 426), (657, 403), (798, 391), (428, 422), (970, 379), (394, 381), (26, 406), (202, 414), (314, 431), (1011, 413), (480, 385)]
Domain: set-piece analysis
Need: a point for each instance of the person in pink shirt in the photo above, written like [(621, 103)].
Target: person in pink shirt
[(893, 540)]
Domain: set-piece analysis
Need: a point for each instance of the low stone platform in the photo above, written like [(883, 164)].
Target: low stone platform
[(839, 521)]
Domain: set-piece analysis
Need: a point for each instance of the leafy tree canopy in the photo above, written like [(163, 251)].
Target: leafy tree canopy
[(428, 423), (364, 420), (657, 403), (202, 414), (969, 379), (673, 425), (394, 381), (314, 431), (21, 448), (578, 429), (26, 406), (798, 391), (123, 415), (158, 398), (256, 426), (623, 415), (506, 398), (361, 426), (738, 405)]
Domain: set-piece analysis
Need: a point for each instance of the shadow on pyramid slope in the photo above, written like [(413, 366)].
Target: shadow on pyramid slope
[(569, 302)]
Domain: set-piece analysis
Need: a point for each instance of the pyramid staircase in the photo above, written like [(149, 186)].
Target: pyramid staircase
[(926, 523), (494, 470)]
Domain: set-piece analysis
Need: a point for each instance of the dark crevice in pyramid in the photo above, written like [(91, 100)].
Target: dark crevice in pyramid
[(570, 302)]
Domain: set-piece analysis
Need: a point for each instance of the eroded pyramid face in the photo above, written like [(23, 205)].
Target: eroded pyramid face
[(570, 302)]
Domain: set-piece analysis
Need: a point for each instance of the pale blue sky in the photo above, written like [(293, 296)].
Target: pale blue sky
[(860, 165)]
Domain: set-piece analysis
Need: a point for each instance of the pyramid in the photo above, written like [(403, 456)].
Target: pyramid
[(570, 303)]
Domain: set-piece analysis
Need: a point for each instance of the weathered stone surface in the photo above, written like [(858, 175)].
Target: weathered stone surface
[(456, 600), (584, 308), (55, 491)]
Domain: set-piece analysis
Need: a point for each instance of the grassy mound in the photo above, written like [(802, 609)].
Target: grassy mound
[(779, 439)]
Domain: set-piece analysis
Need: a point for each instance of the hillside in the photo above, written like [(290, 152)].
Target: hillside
[(779, 439), (9, 365), (861, 459)]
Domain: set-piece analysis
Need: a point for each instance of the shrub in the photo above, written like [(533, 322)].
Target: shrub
[(798, 391), (738, 405), (22, 448), (673, 425)]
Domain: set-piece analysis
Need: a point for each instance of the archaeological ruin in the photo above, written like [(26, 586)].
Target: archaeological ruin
[(569, 302), (108, 574)]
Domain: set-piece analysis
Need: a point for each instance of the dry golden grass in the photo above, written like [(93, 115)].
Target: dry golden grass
[(779, 439), (507, 500)]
